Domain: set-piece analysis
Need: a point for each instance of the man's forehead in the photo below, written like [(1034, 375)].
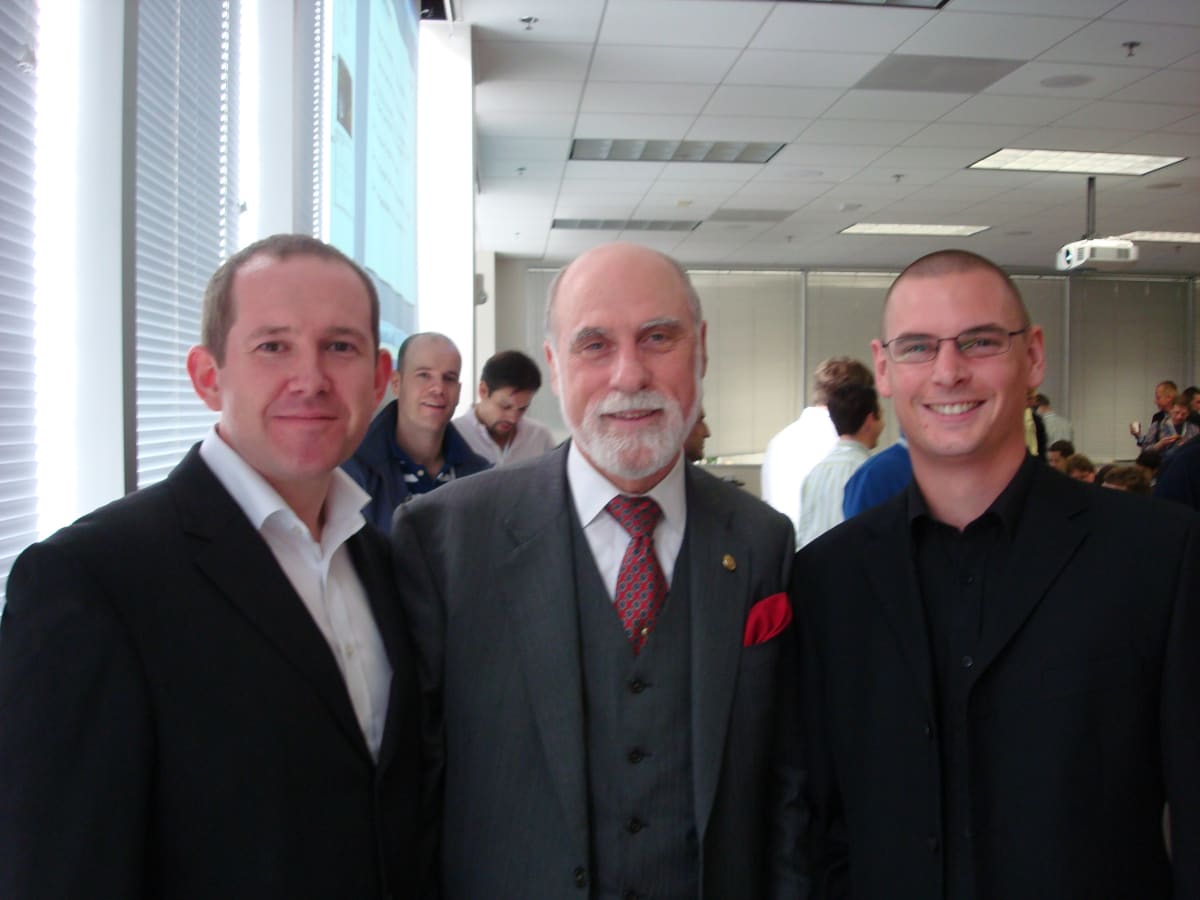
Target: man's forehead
[(431, 352), (955, 299)]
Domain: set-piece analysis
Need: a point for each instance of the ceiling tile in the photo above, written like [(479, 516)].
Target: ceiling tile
[(1102, 80), (795, 69), (834, 27), (1084, 8), (494, 123), (858, 131), (993, 108), (523, 148), (901, 106), (986, 35), (501, 20), (944, 134), (1179, 86), (1056, 138), (624, 63), (677, 23), (1107, 114), (690, 171), (623, 97), (528, 96), (732, 100), (1173, 12), (633, 127), (820, 155), (746, 128), (1101, 43)]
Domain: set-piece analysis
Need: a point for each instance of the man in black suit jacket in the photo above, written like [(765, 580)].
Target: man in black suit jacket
[(1000, 697), (587, 755), (206, 688)]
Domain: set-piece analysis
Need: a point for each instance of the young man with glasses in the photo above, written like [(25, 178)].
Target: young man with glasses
[(997, 703)]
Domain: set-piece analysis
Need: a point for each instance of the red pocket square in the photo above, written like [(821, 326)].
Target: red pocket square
[(767, 618)]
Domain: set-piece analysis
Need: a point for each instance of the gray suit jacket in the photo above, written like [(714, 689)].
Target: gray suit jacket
[(487, 577)]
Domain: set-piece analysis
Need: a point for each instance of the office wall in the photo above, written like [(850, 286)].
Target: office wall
[(1109, 340)]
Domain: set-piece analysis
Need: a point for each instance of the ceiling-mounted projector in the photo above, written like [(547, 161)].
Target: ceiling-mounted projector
[(1096, 253)]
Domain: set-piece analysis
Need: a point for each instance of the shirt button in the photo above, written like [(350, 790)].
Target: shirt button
[(933, 843), (968, 579), (636, 755), (967, 662), (580, 876), (928, 731), (637, 685), (635, 825)]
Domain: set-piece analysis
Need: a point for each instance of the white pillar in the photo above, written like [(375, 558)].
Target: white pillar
[(446, 190)]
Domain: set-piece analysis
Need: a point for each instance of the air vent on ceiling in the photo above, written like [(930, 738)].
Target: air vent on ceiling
[(936, 74), (613, 150), (624, 225)]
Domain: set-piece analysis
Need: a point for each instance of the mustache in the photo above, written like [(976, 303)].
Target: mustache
[(620, 402)]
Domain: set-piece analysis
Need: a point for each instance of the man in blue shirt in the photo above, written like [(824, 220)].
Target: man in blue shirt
[(411, 447)]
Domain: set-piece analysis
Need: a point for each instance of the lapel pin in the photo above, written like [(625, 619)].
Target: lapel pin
[(729, 562)]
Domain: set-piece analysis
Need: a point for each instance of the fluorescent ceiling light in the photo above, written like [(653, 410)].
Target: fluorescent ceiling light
[(611, 150), (1074, 161), (625, 224), (1166, 237), (926, 230)]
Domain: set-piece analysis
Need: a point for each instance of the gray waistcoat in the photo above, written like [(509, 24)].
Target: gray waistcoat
[(639, 742)]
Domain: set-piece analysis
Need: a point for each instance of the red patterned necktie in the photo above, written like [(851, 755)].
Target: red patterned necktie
[(641, 584)]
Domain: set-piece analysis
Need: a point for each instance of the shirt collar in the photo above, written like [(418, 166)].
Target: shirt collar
[(591, 491), (1006, 507), (260, 502)]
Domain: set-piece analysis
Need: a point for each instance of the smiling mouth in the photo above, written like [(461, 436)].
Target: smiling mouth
[(632, 415), (954, 409)]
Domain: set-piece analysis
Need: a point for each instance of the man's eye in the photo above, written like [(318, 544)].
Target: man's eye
[(913, 347), (270, 346), (341, 346)]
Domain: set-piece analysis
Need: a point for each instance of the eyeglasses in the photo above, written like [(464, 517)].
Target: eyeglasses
[(975, 343)]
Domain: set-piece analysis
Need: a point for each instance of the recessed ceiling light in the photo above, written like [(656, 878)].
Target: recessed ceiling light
[(1074, 161), (925, 230), (1166, 237), (612, 150)]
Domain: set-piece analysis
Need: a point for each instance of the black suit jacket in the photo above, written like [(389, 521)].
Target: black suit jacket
[(173, 723), (487, 574), (1083, 711)]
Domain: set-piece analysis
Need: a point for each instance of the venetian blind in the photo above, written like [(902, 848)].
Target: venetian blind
[(18, 456), (185, 210)]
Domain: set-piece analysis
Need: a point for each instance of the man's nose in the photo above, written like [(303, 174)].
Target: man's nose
[(308, 372), (629, 372), (949, 366)]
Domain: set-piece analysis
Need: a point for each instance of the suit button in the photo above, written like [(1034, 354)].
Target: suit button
[(933, 843), (637, 685), (967, 662), (636, 755), (635, 825), (580, 877)]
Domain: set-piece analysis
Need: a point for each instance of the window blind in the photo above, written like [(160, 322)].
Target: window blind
[(185, 211), (18, 451)]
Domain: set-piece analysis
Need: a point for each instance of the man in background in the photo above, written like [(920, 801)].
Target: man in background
[(693, 444), (604, 630), (411, 448), (854, 409), (1147, 439), (497, 427), (980, 657), (792, 453), (1057, 453), (881, 477), (1058, 427), (206, 688)]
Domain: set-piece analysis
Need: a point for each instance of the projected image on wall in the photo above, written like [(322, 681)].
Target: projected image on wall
[(372, 151)]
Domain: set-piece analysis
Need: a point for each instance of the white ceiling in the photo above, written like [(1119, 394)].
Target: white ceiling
[(748, 70)]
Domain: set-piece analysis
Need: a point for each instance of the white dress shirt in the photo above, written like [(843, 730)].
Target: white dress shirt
[(822, 492), (591, 492), (529, 440), (791, 455), (321, 572)]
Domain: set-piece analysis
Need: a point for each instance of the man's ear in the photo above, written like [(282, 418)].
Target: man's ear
[(383, 373), (703, 349), (484, 393), (203, 370), (549, 351), (882, 382)]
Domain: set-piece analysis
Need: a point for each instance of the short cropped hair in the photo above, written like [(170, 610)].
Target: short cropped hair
[(1063, 448), (218, 313), (946, 262), (835, 372), (1041, 400), (511, 369), (1077, 462), (1131, 478), (850, 404)]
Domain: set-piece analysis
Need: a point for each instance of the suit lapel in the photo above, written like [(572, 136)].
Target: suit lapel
[(1048, 533), (240, 565), (893, 578), (719, 601), (537, 582)]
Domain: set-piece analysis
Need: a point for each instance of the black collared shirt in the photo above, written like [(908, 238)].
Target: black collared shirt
[(958, 573)]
